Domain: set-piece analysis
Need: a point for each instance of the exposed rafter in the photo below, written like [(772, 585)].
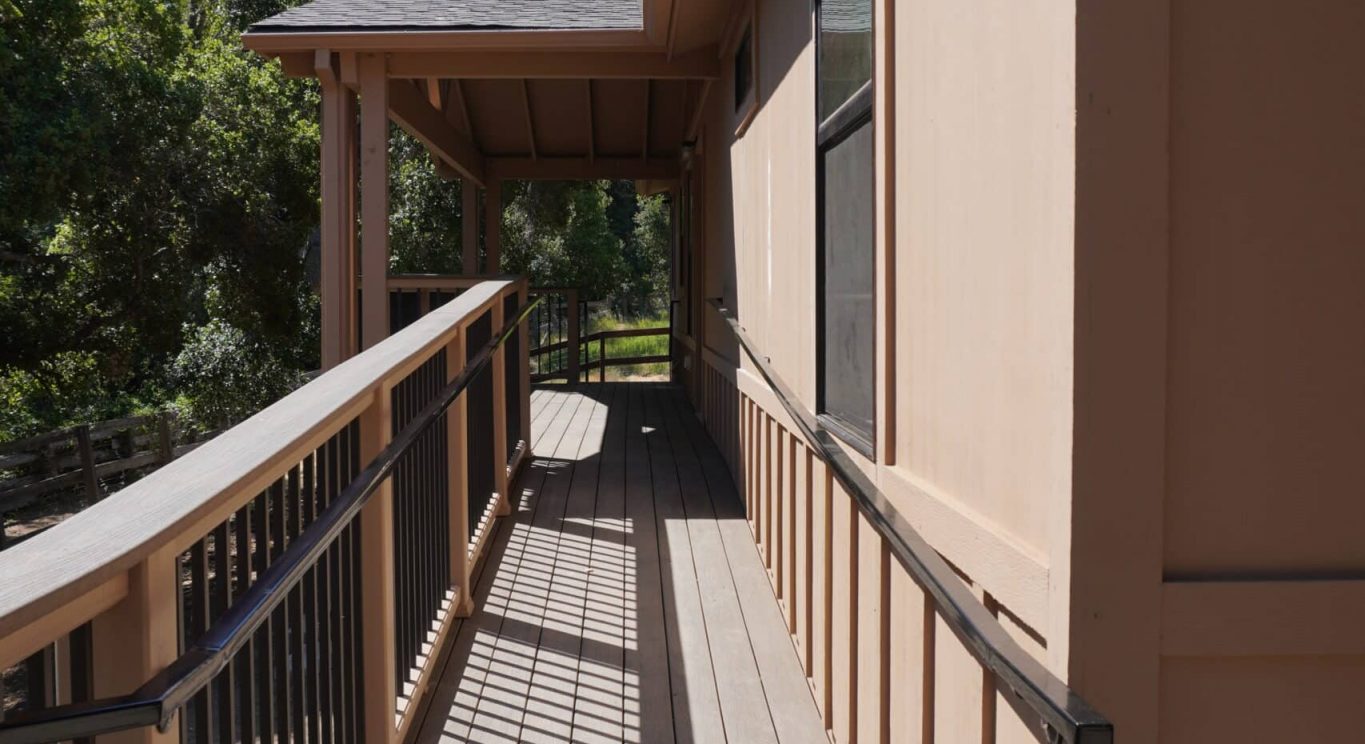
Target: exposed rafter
[(694, 126), (457, 89), (592, 133), (672, 28), (530, 119), (649, 99), (415, 114)]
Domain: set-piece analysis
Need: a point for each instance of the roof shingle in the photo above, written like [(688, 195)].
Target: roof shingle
[(433, 15)]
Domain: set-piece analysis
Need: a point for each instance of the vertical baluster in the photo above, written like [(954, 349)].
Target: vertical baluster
[(356, 625), (245, 659), (294, 607), (200, 721), (222, 598), (280, 617), (265, 689), (311, 617), (82, 669), (328, 652)]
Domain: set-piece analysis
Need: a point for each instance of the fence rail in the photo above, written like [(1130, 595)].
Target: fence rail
[(289, 579), (81, 458)]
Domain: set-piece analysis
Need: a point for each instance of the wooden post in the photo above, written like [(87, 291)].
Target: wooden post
[(374, 197), (574, 340), (602, 358), (87, 455), (500, 413), (423, 302), (492, 226), (523, 296), (469, 218), (338, 214), (376, 580), (457, 471), (165, 445), (138, 638)]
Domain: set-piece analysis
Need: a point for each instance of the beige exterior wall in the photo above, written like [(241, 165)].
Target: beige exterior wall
[(980, 433), (1127, 362), (1236, 510)]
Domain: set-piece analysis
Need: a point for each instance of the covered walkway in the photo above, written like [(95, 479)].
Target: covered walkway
[(624, 600)]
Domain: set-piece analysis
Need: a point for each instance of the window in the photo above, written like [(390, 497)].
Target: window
[(743, 43), (844, 190), (744, 69)]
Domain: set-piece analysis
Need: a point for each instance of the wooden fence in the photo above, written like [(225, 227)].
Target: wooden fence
[(91, 460)]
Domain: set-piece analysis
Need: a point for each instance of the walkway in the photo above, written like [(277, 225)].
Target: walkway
[(624, 600)]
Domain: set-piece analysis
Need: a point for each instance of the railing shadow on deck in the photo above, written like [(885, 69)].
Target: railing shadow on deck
[(554, 654)]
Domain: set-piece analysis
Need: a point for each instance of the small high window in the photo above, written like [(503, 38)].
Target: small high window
[(744, 69)]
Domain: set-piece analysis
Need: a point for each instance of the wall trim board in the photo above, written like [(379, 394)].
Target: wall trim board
[(1263, 618), (1014, 574)]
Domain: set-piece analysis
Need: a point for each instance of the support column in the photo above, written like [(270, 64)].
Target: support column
[(492, 227), (380, 687), (337, 286), (469, 207), (374, 202)]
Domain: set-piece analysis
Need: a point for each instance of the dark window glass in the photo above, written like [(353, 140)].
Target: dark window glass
[(849, 315), (844, 146), (845, 51), (744, 68)]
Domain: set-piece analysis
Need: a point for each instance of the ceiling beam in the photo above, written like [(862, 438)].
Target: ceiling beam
[(573, 169), (702, 63), (411, 110)]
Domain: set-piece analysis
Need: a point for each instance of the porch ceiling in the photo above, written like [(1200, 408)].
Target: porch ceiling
[(523, 88)]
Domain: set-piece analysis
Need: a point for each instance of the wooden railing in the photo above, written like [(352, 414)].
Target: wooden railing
[(842, 559), (290, 579), (602, 361), (558, 348)]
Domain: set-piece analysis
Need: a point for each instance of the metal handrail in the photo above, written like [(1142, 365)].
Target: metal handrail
[(1065, 716), (156, 702)]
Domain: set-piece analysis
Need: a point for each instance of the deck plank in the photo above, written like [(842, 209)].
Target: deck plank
[(624, 598), (649, 717), (789, 698), (744, 708)]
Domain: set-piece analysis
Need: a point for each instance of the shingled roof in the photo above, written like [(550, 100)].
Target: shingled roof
[(455, 15)]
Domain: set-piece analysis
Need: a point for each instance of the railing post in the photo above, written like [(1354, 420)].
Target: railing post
[(524, 296), (499, 371), (138, 638), (165, 445), (572, 347), (376, 580), (602, 358), (87, 454), (457, 465)]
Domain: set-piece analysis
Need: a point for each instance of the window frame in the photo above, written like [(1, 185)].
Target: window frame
[(745, 107), (851, 116)]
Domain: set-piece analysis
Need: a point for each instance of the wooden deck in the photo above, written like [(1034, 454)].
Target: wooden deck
[(624, 600)]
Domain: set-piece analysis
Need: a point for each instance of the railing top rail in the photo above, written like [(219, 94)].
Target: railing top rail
[(628, 333), (88, 550), (157, 701), (1062, 711)]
